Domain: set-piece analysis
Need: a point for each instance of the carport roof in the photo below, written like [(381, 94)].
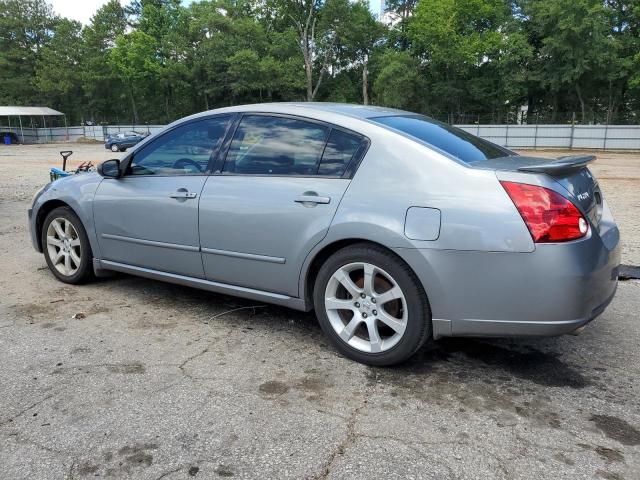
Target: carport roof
[(26, 111)]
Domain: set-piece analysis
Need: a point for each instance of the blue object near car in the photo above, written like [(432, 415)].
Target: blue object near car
[(395, 228), (120, 142), (7, 139)]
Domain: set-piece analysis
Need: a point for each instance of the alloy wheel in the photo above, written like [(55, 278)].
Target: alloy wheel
[(63, 246), (366, 307)]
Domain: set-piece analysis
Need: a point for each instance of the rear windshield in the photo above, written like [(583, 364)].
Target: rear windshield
[(452, 140)]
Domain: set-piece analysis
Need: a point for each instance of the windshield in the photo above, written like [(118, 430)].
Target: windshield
[(452, 140)]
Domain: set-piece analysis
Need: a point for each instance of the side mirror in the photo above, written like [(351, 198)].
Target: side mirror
[(110, 168)]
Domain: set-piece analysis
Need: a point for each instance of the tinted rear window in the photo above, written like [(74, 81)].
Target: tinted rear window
[(452, 140)]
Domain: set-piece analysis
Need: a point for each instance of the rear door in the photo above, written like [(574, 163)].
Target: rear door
[(280, 186), (149, 217)]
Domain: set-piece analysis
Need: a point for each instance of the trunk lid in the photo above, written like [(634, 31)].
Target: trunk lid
[(571, 172)]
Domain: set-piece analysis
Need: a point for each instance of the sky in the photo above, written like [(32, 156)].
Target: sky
[(83, 10)]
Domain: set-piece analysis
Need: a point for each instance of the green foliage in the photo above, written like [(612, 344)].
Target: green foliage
[(399, 83), (56, 76), (26, 26), (158, 60)]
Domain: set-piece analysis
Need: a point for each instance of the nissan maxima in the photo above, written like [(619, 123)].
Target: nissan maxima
[(395, 228)]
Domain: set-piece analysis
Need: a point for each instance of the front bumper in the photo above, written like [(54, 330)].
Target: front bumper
[(551, 291), (32, 230)]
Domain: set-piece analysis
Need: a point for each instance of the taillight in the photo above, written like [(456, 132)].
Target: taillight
[(549, 216)]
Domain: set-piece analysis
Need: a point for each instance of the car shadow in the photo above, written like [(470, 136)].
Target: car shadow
[(533, 360), (513, 358)]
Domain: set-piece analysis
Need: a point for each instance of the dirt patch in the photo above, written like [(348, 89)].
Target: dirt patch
[(273, 388), (135, 368), (617, 429)]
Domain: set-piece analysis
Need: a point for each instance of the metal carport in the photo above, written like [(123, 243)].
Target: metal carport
[(30, 112)]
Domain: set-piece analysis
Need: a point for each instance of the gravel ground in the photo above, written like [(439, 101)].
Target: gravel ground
[(160, 381)]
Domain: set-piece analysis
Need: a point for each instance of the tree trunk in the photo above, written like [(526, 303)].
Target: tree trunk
[(610, 105), (530, 107), (306, 37), (308, 70), (581, 100), (365, 83), (133, 105)]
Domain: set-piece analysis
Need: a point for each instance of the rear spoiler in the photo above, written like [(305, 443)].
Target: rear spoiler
[(561, 166)]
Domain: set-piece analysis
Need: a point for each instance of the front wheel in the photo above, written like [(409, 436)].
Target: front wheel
[(115, 148), (66, 246), (371, 305)]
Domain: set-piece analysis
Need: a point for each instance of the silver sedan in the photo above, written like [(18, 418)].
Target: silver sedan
[(396, 229)]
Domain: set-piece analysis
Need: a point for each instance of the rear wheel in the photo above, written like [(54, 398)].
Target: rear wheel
[(371, 305), (66, 246)]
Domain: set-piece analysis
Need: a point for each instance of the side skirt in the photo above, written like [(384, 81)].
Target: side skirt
[(249, 293)]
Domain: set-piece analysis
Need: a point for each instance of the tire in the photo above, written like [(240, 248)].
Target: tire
[(63, 246), (115, 148), (351, 323)]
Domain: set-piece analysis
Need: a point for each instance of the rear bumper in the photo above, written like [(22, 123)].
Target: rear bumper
[(551, 291), (508, 328)]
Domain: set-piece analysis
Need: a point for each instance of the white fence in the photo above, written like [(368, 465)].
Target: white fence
[(607, 137), (73, 134)]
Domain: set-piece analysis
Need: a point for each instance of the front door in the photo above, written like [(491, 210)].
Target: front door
[(282, 182), (149, 217)]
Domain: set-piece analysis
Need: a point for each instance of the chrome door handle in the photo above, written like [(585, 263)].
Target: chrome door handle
[(312, 199), (183, 194)]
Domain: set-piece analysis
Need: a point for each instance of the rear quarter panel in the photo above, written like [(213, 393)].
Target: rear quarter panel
[(398, 173)]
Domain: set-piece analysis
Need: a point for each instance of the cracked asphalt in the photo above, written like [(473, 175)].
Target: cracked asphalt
[(160, 381)]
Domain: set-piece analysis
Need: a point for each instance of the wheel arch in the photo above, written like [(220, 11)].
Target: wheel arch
[(316, 261), (43, 211)]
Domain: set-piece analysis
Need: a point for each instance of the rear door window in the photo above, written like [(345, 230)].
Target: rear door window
[(270, 145)]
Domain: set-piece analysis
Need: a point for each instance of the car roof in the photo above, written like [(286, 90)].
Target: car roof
[(352, 110), (297, 108)]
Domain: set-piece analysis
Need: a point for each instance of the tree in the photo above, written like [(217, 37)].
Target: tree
[(133, 58), (448, 57), (399, 82), (362, 36), (462, 45), (243, 54), (623, 74), (575, 45), (320, 26), (57, 78), (26, 26), (401, 11), (100, 83)]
